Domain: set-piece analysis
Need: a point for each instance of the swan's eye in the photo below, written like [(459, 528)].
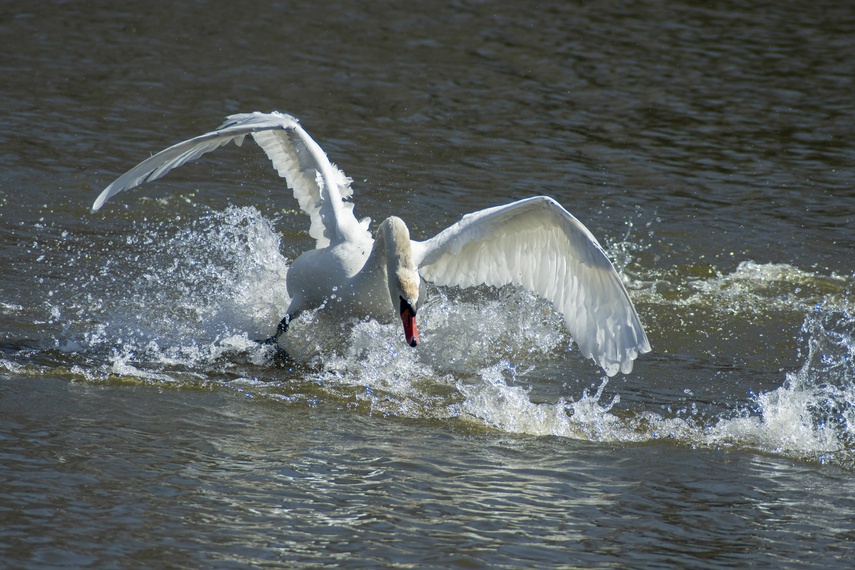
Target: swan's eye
[(405, 306)]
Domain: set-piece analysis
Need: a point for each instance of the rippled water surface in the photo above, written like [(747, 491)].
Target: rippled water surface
[(707, 145)]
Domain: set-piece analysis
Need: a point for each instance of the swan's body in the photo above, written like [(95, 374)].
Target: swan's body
[(533, 243)]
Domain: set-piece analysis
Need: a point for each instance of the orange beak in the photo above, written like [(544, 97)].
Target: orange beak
[(411, 330)]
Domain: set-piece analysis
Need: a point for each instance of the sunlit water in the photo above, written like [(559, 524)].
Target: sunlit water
[(708, 149)]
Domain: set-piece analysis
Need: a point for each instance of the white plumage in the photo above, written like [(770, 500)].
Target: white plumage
[(533, 243)]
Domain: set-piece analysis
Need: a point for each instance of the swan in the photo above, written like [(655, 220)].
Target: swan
[(533, 243)]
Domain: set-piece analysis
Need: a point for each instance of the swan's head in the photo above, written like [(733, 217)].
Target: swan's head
[(402, 275)]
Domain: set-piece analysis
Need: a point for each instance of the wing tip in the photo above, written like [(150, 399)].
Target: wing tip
[(617, 359), (99, 201)]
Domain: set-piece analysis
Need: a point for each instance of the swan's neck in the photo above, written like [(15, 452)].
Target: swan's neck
[(392, 256), (396, 241)]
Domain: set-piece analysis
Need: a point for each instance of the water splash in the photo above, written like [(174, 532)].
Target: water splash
[(760, 287), (813, 414), (460, 338), (173, 295), (751, 289), (178, 303)]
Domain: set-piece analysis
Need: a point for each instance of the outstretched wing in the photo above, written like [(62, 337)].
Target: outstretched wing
[(318, 185), (540, 246)]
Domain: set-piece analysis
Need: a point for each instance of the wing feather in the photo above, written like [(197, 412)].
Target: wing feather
[(536, 244), (318, 185)]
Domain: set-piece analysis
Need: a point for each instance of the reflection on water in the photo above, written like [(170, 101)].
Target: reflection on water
[(706, 146)]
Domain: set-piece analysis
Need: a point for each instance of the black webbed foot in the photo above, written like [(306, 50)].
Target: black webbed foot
[(281, 329), (280, 357)]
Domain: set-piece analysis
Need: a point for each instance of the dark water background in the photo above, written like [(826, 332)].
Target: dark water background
[(708, 145)]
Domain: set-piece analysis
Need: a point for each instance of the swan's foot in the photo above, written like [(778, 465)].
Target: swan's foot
[(281, 329), (280, 356)]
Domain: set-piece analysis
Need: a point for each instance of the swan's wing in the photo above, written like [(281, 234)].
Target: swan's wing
[(318, 185), (538, 245)]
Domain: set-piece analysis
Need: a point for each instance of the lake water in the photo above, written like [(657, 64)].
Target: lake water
[(708, 146)]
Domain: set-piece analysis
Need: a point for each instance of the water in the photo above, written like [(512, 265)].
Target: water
[(707, 146)]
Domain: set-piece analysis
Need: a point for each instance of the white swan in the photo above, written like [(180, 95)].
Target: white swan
[(533, 243)]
